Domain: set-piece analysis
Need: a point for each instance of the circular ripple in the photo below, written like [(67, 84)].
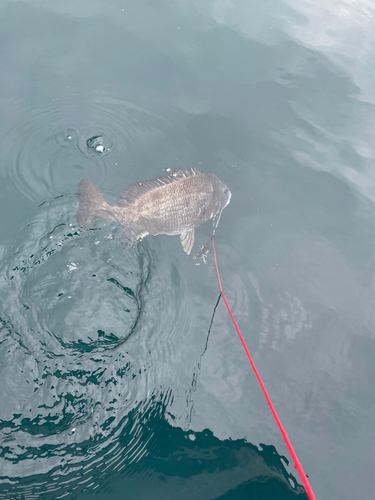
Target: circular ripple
[(91, 332), (47, 149)]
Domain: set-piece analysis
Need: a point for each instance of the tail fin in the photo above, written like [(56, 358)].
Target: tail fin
[(91, 203)]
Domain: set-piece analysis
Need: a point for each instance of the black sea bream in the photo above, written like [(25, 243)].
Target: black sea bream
[(175, 203)]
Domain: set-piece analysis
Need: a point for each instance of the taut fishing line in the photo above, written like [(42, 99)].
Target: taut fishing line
[(296, 462)]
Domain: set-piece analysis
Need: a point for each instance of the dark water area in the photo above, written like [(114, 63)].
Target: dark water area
[(177, 463), (120, 378)]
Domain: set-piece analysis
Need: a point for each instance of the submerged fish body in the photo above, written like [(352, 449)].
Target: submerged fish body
[(172, 204)]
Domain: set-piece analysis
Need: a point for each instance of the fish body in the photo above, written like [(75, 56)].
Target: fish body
[(172, 204)]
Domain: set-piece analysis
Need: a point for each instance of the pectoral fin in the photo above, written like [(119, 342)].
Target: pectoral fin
[(187, 241)]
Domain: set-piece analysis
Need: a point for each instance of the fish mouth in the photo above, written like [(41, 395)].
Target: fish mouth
[(229, 196)]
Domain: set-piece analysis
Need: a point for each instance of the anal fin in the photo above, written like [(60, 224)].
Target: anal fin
[(187, 240)]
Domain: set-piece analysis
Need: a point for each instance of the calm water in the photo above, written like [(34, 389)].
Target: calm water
[(108, 389)]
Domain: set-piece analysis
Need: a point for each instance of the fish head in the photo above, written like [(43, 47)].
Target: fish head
[(220, 195)]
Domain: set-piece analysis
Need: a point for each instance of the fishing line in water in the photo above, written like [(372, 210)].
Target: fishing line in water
[(197, 371), (209, 330), (296, 462), (204, 250)]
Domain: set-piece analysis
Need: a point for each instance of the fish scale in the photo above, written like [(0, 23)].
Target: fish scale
[(170, 204)]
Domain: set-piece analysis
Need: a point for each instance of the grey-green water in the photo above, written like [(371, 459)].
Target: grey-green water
[(107, 388)]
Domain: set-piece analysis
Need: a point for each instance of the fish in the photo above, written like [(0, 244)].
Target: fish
[(172, 204)]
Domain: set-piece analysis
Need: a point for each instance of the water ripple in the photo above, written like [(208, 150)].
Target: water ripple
[(89, 343), (51, 146)]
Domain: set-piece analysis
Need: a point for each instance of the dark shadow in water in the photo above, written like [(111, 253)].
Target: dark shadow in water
[(198, 465), (177, 464)]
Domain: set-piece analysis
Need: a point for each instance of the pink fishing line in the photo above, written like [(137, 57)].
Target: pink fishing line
[(296, 462)]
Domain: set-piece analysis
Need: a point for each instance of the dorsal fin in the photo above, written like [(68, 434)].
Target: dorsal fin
[(134, 191)]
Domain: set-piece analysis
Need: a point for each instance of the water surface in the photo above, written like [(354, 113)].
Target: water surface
[(109, 386)]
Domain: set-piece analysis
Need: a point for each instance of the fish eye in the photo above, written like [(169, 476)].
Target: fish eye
[(226, 190)]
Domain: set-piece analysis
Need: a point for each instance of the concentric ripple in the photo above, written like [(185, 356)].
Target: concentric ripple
[(48, 149), (89, 330)]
